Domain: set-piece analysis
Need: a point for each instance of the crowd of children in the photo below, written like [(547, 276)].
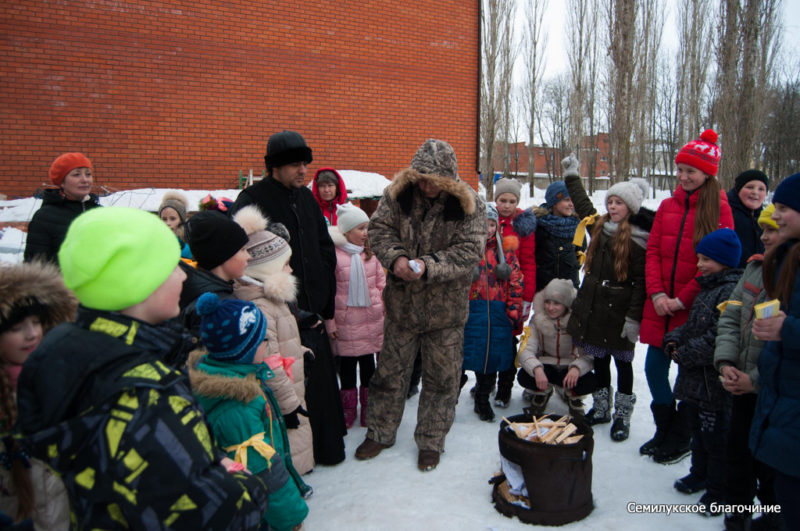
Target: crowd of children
[(191, 325)]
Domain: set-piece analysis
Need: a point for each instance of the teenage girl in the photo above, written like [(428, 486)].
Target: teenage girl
[(695, 209)]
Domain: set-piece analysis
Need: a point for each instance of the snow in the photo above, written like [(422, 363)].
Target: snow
[(388, 492)]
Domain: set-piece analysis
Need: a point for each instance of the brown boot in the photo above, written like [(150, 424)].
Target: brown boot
[(370, 449), (427, 460)]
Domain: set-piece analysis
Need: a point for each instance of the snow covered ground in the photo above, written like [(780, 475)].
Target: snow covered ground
[(389, 493)]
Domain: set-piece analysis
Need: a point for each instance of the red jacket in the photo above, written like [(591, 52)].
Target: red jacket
[(329, 207), (523, 226), (671, 265)]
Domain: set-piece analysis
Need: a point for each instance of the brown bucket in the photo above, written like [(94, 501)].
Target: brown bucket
[(558, 476)]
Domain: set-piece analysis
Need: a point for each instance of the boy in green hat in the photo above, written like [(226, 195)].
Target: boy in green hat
[(99, 406)]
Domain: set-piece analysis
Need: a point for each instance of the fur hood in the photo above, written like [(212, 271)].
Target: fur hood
[(221, 386), (524, 223), (336, 235), (542, 321), (280, 286), (459, 202), (36, 283)]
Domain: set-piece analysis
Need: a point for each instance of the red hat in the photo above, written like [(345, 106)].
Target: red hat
[(66, 163), (702, 153)]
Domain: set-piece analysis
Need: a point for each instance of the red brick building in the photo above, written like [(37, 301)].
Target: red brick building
[(547, 160), (186, 94)]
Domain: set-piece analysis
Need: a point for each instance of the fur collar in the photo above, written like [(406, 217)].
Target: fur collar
[(524, 223), (230, 386), (336, 235), (458, 203), (280, 286)]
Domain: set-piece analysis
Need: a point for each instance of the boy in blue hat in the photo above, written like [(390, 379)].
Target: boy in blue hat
[(691, 346)]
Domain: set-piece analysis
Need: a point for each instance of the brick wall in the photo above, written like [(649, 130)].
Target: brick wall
[(185, 94)]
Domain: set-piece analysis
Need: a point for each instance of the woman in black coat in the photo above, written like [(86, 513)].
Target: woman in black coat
[(746, 199), (72, 173)]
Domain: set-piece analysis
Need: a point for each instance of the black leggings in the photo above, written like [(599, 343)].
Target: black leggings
[(347, 370), (602, 368)]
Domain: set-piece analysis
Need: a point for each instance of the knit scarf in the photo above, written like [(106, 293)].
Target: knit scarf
[(639, 236), (357, 291), (558, 226)]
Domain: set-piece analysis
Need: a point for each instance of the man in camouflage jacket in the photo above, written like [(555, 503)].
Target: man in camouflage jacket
[(431, 221)]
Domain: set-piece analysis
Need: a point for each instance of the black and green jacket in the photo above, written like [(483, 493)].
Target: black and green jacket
[(124, 432)]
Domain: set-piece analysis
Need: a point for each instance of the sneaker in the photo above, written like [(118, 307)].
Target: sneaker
[(427, 460), (690, 484), (370, 449)]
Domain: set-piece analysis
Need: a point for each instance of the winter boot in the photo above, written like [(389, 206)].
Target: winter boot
[(690, 483), (623, 409), (677, 441), (350, 406), (574, 402), (483, 387), (505, 381), (601, 407), (539, 400), (767, 522), (363, 396), (662, 415), (738, 521)]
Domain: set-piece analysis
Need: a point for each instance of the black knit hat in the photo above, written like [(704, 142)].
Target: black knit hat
[(750, 175), (213, 238), (286, 147)]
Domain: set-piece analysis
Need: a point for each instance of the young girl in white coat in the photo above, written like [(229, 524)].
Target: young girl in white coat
[(356, 331)]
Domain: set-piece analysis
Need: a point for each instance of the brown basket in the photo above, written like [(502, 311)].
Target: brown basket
[(558, 477)]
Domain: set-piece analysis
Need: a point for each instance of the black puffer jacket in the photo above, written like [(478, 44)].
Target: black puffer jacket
[(745, 223), (198, 282), (697, 380), (49, 224), (313, 254)]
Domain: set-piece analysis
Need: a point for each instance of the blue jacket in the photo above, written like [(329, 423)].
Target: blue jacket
[(775, 430)]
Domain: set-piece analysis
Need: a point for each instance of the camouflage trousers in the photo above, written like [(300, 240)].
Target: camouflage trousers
[(442, 356)]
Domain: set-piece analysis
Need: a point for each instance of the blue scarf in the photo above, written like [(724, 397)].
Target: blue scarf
[(558, 226)]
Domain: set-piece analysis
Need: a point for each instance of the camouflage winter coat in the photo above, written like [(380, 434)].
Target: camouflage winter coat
[(448, 233)]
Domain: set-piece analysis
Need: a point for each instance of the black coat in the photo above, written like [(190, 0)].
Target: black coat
[(199, 281), (313, 254), (48, 227), (556, 256), (603, 302), (697, 380), (745, 223)]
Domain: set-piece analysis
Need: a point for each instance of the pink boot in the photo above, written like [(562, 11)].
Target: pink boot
[(364, 391), (349, 404)]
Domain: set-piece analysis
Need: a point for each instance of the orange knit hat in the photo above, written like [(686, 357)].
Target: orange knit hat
[(66, 163)]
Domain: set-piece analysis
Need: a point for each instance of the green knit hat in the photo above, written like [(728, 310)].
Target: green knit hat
[(114, 258)]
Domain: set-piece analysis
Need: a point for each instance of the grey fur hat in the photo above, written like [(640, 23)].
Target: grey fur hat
[(507, 185), (560, 290), (176, 201), (632, 192), (435, 157)]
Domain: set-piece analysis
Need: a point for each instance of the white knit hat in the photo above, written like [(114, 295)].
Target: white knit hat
[(506, 185), (349, 217), (631, 192), (560, 290)]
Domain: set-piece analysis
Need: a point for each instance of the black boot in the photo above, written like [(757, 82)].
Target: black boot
[(505, 381), (483, 386), (677, 442), (662, 416)]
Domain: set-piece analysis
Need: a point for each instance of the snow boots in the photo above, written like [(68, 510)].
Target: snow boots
[(676, 444), (350, 405), (690, 483), (623, 409), (505, 381), (539, 400), (601, 407), (363, 395), (574, 402), (483, 388), (662, 416)]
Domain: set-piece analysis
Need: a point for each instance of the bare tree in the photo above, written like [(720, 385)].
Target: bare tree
[(495, 22), (580, 32), (533, 43), (554, 122), (748, 42), (694, 58), (621, 18)]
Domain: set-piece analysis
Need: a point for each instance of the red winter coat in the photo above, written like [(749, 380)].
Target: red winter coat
[(329, 207), (671, 265), (522, 225)]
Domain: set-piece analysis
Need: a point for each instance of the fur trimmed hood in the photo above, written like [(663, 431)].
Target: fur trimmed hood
[(540, 315), (280, 286), (458, 203), (36, 283), (524, 222), (234, 387), (336, 235)]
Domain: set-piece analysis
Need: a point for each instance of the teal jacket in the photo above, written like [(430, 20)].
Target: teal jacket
[(239, 406)]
